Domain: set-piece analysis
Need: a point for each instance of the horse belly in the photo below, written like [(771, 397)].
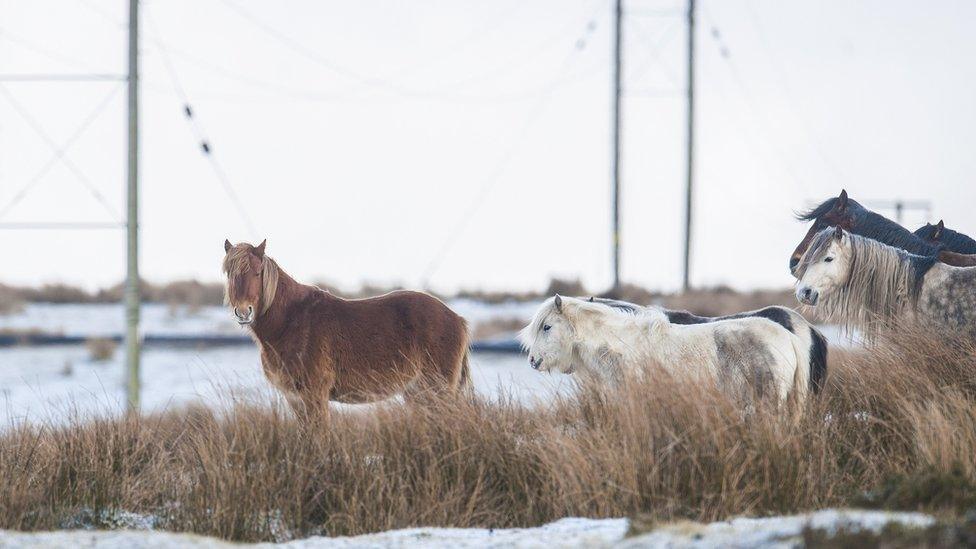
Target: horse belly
[(750, 363)]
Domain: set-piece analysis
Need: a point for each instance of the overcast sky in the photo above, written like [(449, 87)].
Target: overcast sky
[(467, 142)]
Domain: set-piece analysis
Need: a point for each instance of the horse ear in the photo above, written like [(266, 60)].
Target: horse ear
[(838, 233), (841, 204), (937, 233), (227, 245), (559, 303), (259, 250)]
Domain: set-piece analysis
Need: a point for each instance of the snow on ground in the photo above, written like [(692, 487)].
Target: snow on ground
[(772, 532), (104, 319), (42, 383), (51, 383)]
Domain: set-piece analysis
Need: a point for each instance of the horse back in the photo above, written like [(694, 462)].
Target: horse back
[(401, 332)]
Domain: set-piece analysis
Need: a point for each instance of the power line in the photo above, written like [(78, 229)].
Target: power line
[(308, 53), (494, 175), (43, 51), (198, 131), (726, 54), (519, 59), (654, 55), (781, 75), (39, 130)]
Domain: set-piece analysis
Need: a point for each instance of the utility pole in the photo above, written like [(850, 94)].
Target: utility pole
[(132, 300), (615, 158), (686, 283)]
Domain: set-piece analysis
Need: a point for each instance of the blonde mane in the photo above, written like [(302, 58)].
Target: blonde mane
[(236, 263), (883, 282)]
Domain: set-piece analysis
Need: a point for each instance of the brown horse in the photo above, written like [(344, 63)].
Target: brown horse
[(317, 347)]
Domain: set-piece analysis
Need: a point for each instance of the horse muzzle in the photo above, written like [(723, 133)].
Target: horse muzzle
[(807, 296), (535, 362), (245, 319)]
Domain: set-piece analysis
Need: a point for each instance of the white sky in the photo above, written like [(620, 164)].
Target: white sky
[(376, 141)]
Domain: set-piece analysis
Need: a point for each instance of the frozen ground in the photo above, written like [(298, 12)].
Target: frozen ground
[(772, 532), (48, 383), (109, 319)]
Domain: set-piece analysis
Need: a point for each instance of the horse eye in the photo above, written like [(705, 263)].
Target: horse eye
[(546, 328), (828, 259)]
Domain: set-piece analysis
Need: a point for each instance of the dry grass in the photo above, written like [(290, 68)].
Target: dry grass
[(724, 301), (100, 349), (895, 427)]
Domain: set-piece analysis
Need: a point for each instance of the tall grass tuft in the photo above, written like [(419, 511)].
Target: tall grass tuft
[(894, 427)]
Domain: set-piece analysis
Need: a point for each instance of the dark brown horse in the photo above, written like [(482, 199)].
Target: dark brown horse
[(851, 216), (316, 347), (952, 240)]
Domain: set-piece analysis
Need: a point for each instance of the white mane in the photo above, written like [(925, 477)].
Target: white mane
[(882, 284), (596, 325)]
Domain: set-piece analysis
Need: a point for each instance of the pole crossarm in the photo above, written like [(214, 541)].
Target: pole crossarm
[(63, 78), (57, 225)]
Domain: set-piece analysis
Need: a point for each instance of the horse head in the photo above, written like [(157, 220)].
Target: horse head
[(824, 266), (835, 212), (251, 280)]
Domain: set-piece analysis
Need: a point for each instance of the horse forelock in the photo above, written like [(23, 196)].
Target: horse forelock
[(237, 262), (583, 316)]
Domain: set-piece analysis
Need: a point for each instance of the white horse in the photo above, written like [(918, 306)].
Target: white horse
[(869, 285), (746, 356)]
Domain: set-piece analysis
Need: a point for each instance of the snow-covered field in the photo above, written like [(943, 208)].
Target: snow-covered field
[(772, 532), (101, 319), (50, 383)]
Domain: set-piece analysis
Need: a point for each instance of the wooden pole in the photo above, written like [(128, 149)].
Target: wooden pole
[(689, 185), (615, 146), (132, 300)]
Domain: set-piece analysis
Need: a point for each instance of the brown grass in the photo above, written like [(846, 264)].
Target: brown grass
[(895, 427), (100, 349)]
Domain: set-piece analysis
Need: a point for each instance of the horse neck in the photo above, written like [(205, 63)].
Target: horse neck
[(627, 334), (882, 229), (959, 242), (288, 293)]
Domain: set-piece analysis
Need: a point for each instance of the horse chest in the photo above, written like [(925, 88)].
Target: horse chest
[(292, 372)]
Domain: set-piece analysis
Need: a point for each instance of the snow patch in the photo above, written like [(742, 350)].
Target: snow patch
[(771, 532)]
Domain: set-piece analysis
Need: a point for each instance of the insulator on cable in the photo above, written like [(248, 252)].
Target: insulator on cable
[(188, 111), (205, 146)]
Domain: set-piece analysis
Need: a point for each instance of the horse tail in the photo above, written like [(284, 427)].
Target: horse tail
[(818, 360)]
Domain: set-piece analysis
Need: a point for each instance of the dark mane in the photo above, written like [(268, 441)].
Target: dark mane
[(952, 240), (877, 227), (823, 208), (615, 304), (882, 229)]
